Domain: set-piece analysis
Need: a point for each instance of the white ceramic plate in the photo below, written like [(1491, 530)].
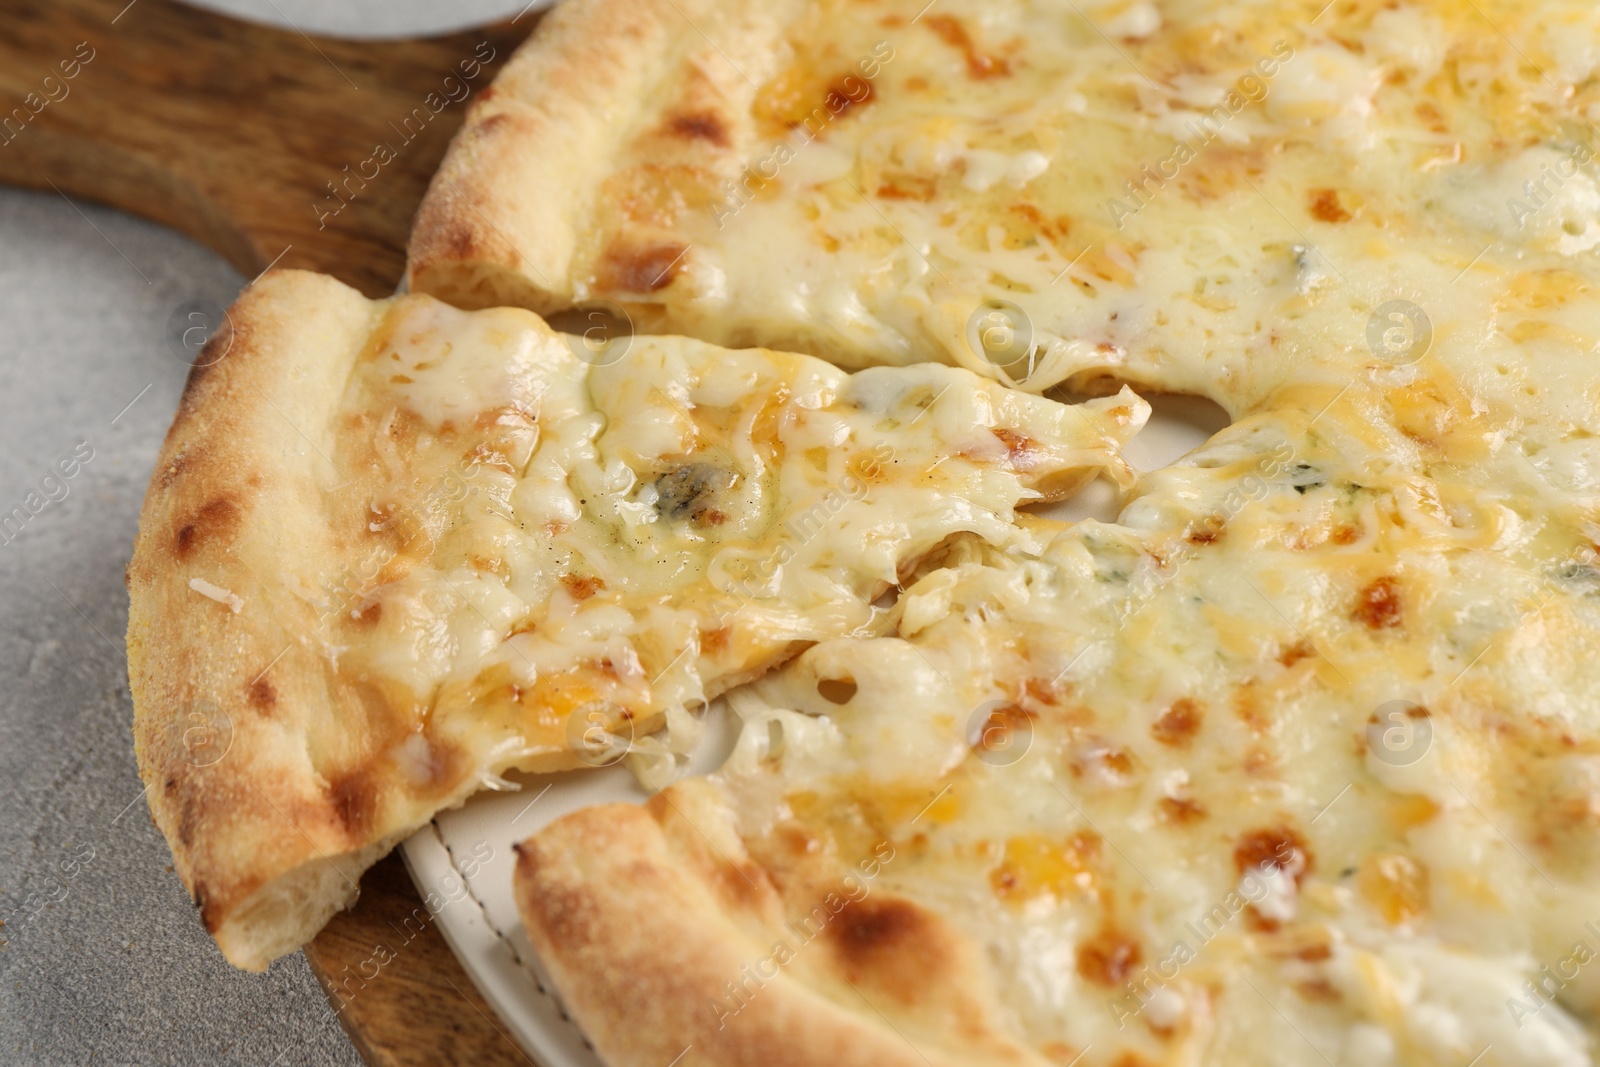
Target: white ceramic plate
[(465, 857)]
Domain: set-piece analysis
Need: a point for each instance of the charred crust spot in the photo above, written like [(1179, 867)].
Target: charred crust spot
[(454, 230), (353, 799), (173, 471), (582, 587), (208, 912), (1325, 206), (1378, 605), (886, 939), (1178, 724), (216, 519), (262, 695), (627, 268), (714, 641), (1109, 958), (1275, 848), (699, 126), (870, 927), (216, 348), (188, 818)]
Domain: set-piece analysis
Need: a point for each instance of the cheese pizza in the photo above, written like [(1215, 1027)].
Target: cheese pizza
[(1294, 762), (1194, 195), (392, 550), (1285, 768)]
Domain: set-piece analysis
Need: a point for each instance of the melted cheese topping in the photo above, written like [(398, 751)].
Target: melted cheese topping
[(1291, 765), (1313, 769), (1362, 657), (552, 555), (1203, 196)]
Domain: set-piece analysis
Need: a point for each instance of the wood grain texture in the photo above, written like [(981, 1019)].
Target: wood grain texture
[(396, 986), (250, 139), (237, 134)]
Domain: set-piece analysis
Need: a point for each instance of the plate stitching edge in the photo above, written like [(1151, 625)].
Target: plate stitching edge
[(510, 945)]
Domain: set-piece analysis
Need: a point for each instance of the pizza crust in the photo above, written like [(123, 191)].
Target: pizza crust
[(649, 919), (509, 206), (221, 696), (392, 550), (1326, 234)]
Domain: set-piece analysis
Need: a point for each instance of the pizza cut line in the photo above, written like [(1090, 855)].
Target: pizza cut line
[(393, 550)]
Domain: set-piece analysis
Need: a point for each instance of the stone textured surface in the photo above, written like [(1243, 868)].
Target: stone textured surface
[(102, 959)]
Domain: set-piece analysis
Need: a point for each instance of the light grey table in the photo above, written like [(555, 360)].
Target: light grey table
[(102, 958)]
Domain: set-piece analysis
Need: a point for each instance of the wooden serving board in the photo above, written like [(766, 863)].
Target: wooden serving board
[(248, 138), (264, 144)]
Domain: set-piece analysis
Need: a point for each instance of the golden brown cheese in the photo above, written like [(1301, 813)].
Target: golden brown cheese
[(611, 543), (393, 550), (1325, 691), (1317, 786)]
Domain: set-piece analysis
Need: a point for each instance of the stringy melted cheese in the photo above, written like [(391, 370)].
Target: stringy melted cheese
[(551, 558), (1209, 682)]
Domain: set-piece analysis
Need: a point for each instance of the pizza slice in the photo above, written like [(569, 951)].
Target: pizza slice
[(1288, 767), (392, 550), (1195, 196)]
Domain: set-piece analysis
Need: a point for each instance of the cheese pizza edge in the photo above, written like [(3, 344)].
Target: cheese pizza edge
[(311, 675), (217, 676), (667, 939), (505, 213)]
